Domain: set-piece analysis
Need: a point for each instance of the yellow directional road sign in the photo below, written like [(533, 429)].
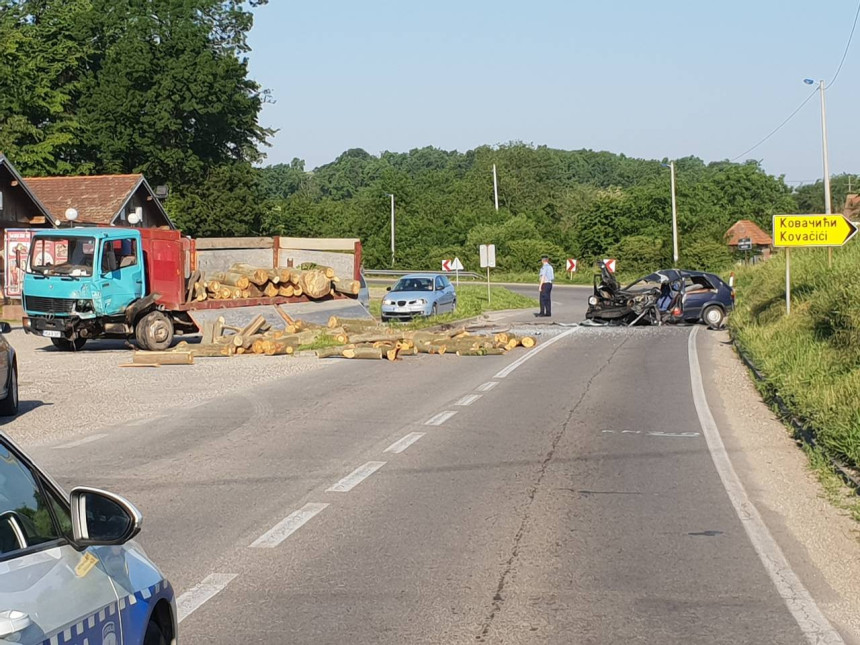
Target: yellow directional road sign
[(812, 230)]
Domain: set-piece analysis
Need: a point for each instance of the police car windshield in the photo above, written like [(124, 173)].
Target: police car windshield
[(414, 284), (72, 256)]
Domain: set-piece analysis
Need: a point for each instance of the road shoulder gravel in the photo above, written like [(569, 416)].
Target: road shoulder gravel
[(821, 542)]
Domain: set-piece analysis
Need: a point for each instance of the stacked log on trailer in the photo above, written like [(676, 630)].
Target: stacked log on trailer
[(242, 281), (341, 338)]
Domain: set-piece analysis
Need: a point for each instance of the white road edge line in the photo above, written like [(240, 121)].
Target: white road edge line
[(286, 527), (191, 600), (440, 418), (486, 387), (356, 477), (469, 399), (533, 352), (81, 442), (806, 612), (402, 444)]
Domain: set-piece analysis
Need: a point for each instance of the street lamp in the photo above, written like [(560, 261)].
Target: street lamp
[(391, 195), (827, 203), (71, 216), (671, 167)]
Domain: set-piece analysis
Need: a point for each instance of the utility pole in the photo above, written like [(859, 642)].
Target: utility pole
[(674, 217), (391, 195), (828, 208), (496, 187)]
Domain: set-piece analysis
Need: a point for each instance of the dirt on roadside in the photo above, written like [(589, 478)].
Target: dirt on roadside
[(821, 542)]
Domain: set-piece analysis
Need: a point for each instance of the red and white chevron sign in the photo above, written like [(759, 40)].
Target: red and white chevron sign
[(610, 264), (446, 265), (571, 264)]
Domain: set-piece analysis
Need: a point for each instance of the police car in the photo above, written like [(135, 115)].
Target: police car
[(69, 570)]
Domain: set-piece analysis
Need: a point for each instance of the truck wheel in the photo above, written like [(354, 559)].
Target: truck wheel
[(154, 331), (66, 345)]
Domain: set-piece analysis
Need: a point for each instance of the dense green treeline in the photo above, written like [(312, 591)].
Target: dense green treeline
[(581, 204)]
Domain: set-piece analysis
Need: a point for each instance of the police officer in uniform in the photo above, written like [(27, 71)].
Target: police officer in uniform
[(547, 275)]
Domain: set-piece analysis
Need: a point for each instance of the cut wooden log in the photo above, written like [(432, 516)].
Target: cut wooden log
[(491, 351), (297, 290), (193, 279), (373, 337), (295, 276), (283, 314), (278, 347), (206, 351), (364, 352), (350, 287), (274, 276), (528, 342), (208, 332), (232, 279), (287, 291), (200, 292), (315, 283), (259, 346), (284, 274), (213, 286), (163, 358), (271, 290), (391, 354), (331, 352), (257, 275), (333, 323)]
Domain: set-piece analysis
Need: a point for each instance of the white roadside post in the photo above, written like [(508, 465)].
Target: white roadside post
[(488, 260)]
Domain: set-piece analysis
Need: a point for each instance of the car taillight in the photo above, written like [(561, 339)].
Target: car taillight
[(676, 311)]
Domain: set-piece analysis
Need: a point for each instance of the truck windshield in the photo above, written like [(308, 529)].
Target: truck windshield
[(72, 256)]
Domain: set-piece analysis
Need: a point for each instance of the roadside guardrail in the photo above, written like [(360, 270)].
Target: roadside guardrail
[(391, 273)]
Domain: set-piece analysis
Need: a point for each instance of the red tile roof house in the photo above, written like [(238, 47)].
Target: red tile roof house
[(743, 229), (101, 200)]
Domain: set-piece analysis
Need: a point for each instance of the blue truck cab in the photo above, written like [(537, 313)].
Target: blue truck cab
[(84, 283)]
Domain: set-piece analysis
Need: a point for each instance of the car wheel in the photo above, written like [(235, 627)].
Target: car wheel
[(154, 635), (435, 310), (714, 317), (385, 319), (67, 345), (9, 405), (154, 331)]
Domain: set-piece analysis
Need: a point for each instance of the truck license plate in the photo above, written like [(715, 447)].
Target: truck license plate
[(52, 334)]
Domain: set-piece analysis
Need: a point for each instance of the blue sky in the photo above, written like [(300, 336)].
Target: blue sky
[(665, 78)]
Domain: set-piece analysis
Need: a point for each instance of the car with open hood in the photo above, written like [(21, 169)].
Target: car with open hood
[(419, 294), (665, 296)]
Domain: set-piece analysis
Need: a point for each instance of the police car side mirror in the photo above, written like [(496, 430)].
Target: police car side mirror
[(100, 518)]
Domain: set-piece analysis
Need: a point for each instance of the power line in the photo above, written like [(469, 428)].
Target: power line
[(806, 100), (777, 128), (847, 47)]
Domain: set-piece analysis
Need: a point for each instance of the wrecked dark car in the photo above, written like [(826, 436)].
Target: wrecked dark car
[(667, 296)]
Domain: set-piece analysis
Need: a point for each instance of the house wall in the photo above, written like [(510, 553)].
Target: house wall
[(19, 211), (152, 217)]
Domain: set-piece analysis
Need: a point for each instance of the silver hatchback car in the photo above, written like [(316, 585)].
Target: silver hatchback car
[(69, 570), (419, 294)]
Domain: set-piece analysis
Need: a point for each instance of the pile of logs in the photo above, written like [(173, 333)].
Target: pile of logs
[(364, 339), (246, 281), (341, 338)]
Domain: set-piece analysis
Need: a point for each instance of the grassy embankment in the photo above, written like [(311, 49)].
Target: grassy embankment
[(811, 358), (471, 302)]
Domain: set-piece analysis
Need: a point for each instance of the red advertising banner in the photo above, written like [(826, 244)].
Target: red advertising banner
[(16, 247)]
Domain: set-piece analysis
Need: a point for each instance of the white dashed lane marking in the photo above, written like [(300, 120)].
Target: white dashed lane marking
[(356, 477), (440, 418), (289, 525), (469, 399), (402, 444), (192, 599), (486, 387)]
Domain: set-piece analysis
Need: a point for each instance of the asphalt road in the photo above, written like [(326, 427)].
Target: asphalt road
[(569, 498)]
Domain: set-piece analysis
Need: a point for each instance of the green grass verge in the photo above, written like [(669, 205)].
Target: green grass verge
[(811, 358), (471, 302)]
